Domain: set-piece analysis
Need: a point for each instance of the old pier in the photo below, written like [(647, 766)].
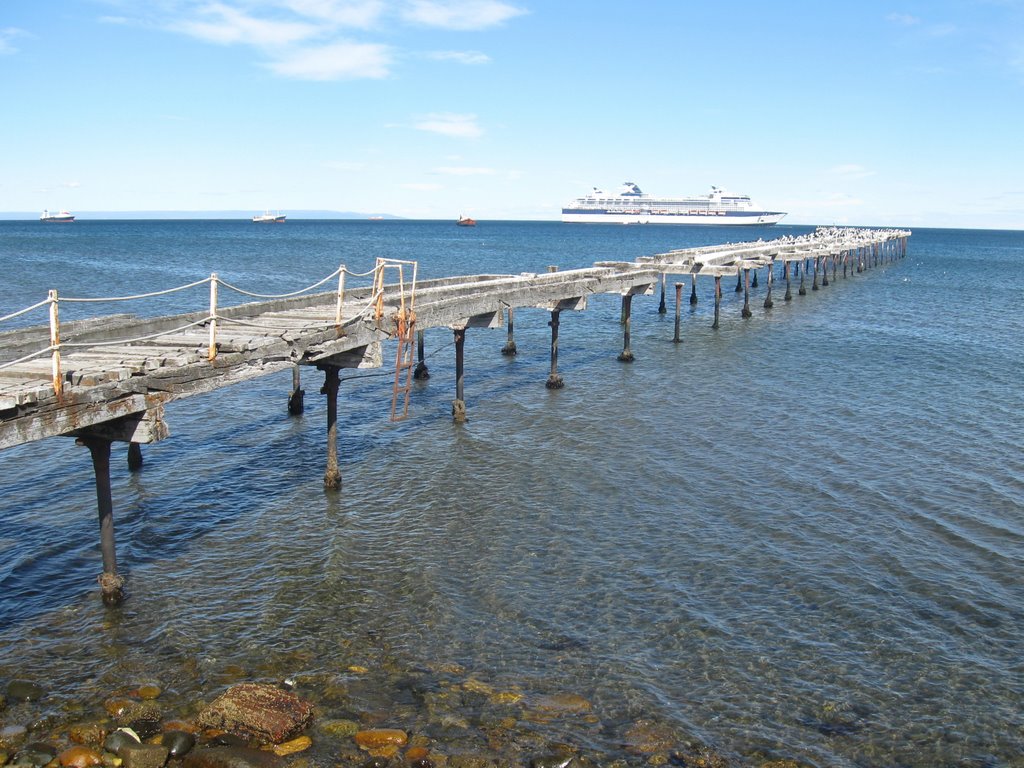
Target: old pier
[(107, 379)]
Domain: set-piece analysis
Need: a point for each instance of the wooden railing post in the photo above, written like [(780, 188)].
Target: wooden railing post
[(58, 385), (212, 352), (341, 298)]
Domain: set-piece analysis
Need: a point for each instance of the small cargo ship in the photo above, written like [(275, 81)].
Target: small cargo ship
[(268, 218), (61, 217), (465, 221)]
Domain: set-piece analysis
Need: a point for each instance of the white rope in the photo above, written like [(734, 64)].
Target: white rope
[(279, 295), (359, 274), (311, 325), (26, 309), (140, 295), (26, 358), (117, 342)]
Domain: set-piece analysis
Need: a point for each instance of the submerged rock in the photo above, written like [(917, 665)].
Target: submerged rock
[(230, 757), (79, 757), (24, 690), (35, 754), (178, 743), (143, 755), (259, 711)]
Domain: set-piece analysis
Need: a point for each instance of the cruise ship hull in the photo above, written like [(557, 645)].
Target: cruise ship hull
[(713, 218)]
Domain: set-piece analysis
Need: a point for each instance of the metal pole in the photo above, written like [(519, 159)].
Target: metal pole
[(554, 380), (332, 476), (111, 585), (679, 303), (626, 356), (510, 346), (718, 298), (459, 403)]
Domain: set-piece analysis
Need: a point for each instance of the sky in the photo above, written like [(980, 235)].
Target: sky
[(860, 112)]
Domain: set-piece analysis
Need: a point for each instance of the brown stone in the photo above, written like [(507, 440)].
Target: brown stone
[(230, 757), (87, 733), (300, 744), (258, 711), (79, 757), (380, 738), (143, 755)]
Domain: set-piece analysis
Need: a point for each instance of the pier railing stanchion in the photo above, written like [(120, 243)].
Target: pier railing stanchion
[(58, 386), (212, 351), (341, 298)]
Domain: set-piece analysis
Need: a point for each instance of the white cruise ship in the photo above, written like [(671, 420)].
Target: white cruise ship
[(631, 206)]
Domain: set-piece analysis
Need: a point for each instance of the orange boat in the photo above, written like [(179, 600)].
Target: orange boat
[(465, 221)]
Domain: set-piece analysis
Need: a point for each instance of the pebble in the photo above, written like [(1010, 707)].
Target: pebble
[(379, 738), (119, 738), (79, 757), (178, 743), (300, 744), (36, 754)]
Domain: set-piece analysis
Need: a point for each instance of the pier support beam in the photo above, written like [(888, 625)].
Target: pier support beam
[(785, 273), (554, 380), (746, 294), (739, 281), (420, 372), (768, 303), (753, 279), (295, 402), (693, 289), (111, 584), (718, 299), (679, 305), (509, 350), (134, 457), (662, 309), (626, 356), (332, 382), (459, 403), (814, 283), (824, 276), (846, 258), (835, 265)]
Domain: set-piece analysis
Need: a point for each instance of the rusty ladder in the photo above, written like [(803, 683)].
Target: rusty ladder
[(405, 330)]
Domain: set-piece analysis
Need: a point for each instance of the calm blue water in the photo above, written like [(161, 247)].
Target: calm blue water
[(799, 536)]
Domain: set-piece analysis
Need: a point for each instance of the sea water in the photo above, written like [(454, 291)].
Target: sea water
[(797, 536)]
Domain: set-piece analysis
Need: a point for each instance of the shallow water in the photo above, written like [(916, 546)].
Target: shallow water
[(801, 535)]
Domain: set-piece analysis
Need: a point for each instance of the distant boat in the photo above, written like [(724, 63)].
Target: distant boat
[(465, 221), (61, 217), (631, 206), (268, 218)]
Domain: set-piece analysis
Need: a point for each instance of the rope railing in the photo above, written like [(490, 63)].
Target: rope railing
[(212, 320)]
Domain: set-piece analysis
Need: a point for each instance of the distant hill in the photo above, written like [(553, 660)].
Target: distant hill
[(16, 215)]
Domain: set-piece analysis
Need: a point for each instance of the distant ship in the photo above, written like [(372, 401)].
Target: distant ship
[(62, 217), (465, 221), (631, 206), (268, 218)]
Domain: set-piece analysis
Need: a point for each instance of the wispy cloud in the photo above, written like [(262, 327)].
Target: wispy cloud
[(464, 171), (903, 19), (851, 171), (460, 57), (226, 25), (421, 187), (337, 61), (317, 39), (7, 37), (460, 14), (447, 124)]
